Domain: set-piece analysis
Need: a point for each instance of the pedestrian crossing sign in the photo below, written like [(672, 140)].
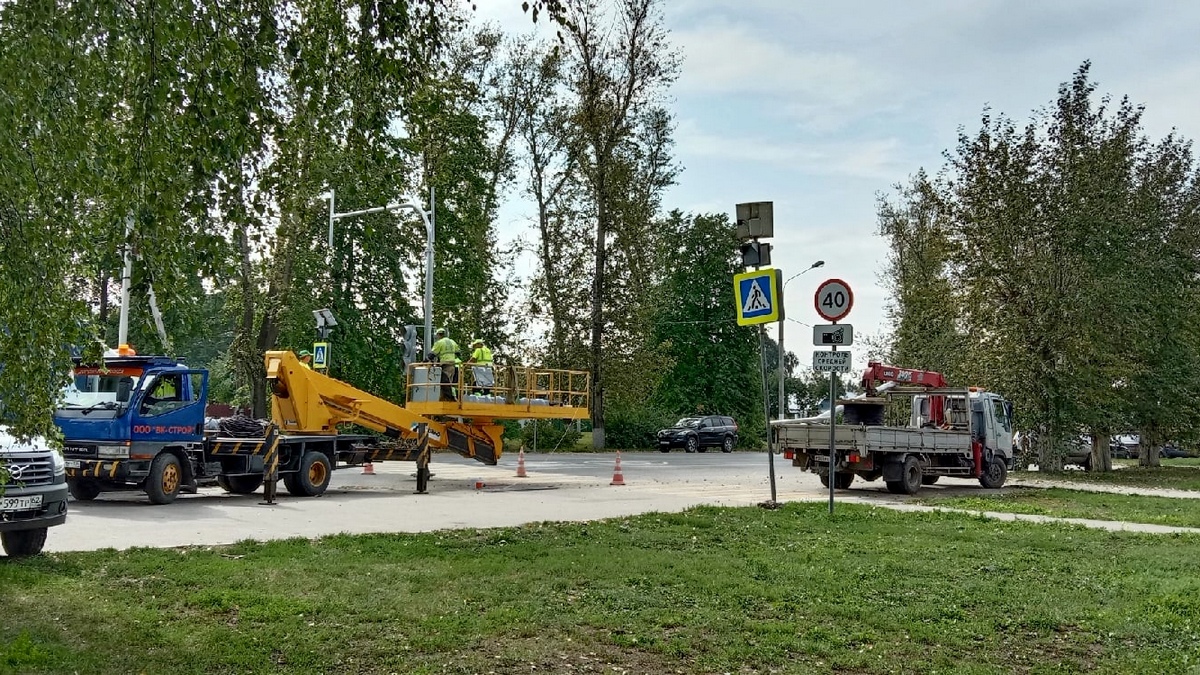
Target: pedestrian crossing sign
[(320, 355), (757, 295)]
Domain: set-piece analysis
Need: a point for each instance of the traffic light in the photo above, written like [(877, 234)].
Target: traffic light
[(755, 254), (410, 345)]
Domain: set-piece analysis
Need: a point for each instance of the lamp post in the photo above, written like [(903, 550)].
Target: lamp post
[(428, 217), (783, 294)]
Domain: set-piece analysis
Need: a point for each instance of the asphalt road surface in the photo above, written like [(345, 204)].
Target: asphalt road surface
[(559, 487)]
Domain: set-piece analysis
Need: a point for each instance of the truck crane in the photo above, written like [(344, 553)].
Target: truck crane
[(962, 432), (878, 372)]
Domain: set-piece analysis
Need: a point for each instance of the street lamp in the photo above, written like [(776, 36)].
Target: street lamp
[(782, 295), (428, 217)]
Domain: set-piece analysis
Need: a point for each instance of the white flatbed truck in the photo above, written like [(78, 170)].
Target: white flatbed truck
[(944, 437)]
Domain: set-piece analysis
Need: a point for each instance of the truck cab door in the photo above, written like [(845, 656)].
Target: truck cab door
[(170, 407), (999, 425)]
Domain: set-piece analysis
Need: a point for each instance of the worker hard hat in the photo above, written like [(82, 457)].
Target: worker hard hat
[(304, 353), (441, 331), (477, 341)]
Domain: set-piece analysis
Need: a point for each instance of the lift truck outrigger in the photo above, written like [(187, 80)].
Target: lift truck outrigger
[(138, 423)]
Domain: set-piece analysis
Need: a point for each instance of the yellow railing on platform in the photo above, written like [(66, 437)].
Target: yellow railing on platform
[(472, 384)]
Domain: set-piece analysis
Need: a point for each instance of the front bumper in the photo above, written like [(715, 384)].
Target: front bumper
[(53, 510), (109, 470)]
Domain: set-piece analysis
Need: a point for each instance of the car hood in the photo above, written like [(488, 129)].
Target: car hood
[(676, 430), (10, 444)]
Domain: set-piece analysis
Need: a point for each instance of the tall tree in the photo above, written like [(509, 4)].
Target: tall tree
[(618, 68)]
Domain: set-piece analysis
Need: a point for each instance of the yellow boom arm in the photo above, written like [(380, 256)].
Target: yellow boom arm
[(308, 402)]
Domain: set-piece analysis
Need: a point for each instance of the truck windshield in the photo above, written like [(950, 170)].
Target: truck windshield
[(91, 387)]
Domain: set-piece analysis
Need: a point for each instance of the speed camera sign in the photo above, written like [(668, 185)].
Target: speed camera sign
[(834, 299)]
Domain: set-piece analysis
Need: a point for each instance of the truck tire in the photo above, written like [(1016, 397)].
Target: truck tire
[(83, 490), (895, 487), (312, 478), (994, 474), (240, 485), (22, 543), (911, 475), (929, 480), (166, 475), (841, 480), (727, 444)]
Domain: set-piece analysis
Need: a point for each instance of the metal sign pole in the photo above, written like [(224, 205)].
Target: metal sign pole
[(832, 427)]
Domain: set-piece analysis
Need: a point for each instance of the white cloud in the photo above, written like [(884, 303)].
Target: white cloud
[(879, 158)]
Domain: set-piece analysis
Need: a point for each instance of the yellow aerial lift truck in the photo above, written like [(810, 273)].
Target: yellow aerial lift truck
[(120, 433)]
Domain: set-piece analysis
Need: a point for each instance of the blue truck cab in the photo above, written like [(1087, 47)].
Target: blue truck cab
[(136, 422)]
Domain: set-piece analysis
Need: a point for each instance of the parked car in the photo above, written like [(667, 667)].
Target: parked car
[(1169, 451), (33, 494), (697, 434)]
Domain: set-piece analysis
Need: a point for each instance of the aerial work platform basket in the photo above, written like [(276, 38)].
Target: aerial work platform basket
[(498, 392)]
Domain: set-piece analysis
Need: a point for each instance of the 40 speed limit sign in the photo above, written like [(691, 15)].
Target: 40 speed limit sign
[(834, 299)]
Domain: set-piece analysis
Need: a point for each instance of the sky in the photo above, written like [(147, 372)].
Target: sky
[(823, 107)]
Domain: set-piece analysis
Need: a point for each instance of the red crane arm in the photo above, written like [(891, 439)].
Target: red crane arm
[(878, 372)]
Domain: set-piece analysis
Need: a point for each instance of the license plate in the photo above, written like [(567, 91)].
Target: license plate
[(20, 503), (71, 463), (821, 458)]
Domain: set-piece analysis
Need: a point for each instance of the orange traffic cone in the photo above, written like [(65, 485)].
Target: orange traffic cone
[(618, 477), (521, 464), (368, 469)]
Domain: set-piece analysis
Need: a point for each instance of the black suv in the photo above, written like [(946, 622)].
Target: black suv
[(697, 434)]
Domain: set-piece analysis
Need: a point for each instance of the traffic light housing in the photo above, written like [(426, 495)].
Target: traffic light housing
[(756, 254), (410, 345)]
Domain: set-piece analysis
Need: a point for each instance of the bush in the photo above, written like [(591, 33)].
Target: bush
[(632, 428), (552, 435)]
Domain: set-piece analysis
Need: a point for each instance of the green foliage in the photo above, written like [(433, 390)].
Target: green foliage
[(1056, 264), (711, 365), (552, 436), (635, 427)]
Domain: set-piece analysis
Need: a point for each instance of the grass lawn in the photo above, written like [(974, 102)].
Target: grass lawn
[(1169, 475), (1081, 504), (710, 590)]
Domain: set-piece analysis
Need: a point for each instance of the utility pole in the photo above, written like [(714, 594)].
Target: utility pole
[(428, 218)]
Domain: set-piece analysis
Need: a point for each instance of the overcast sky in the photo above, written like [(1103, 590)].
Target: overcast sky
[(822, 106)]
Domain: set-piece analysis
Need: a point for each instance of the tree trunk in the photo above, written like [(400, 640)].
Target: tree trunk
[(598, 309), (1101, 453), (103, 289), (1148, 454)]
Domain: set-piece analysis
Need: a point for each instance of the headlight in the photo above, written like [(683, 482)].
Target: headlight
[(112, 451), (57, 463)]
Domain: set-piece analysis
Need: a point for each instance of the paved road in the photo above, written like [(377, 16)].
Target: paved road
[(559, 487)]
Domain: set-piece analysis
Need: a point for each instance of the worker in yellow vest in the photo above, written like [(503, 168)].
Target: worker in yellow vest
[(481, 367), (445, 352)]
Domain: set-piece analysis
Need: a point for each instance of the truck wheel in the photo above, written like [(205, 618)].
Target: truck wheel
[(911, 475), (312, 478), (727, 444), (693, 444), (240, 485), (929, 480), (895, 487), (842, 481), (83, 490), (994, 474), (162, 485), (22, 543)]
